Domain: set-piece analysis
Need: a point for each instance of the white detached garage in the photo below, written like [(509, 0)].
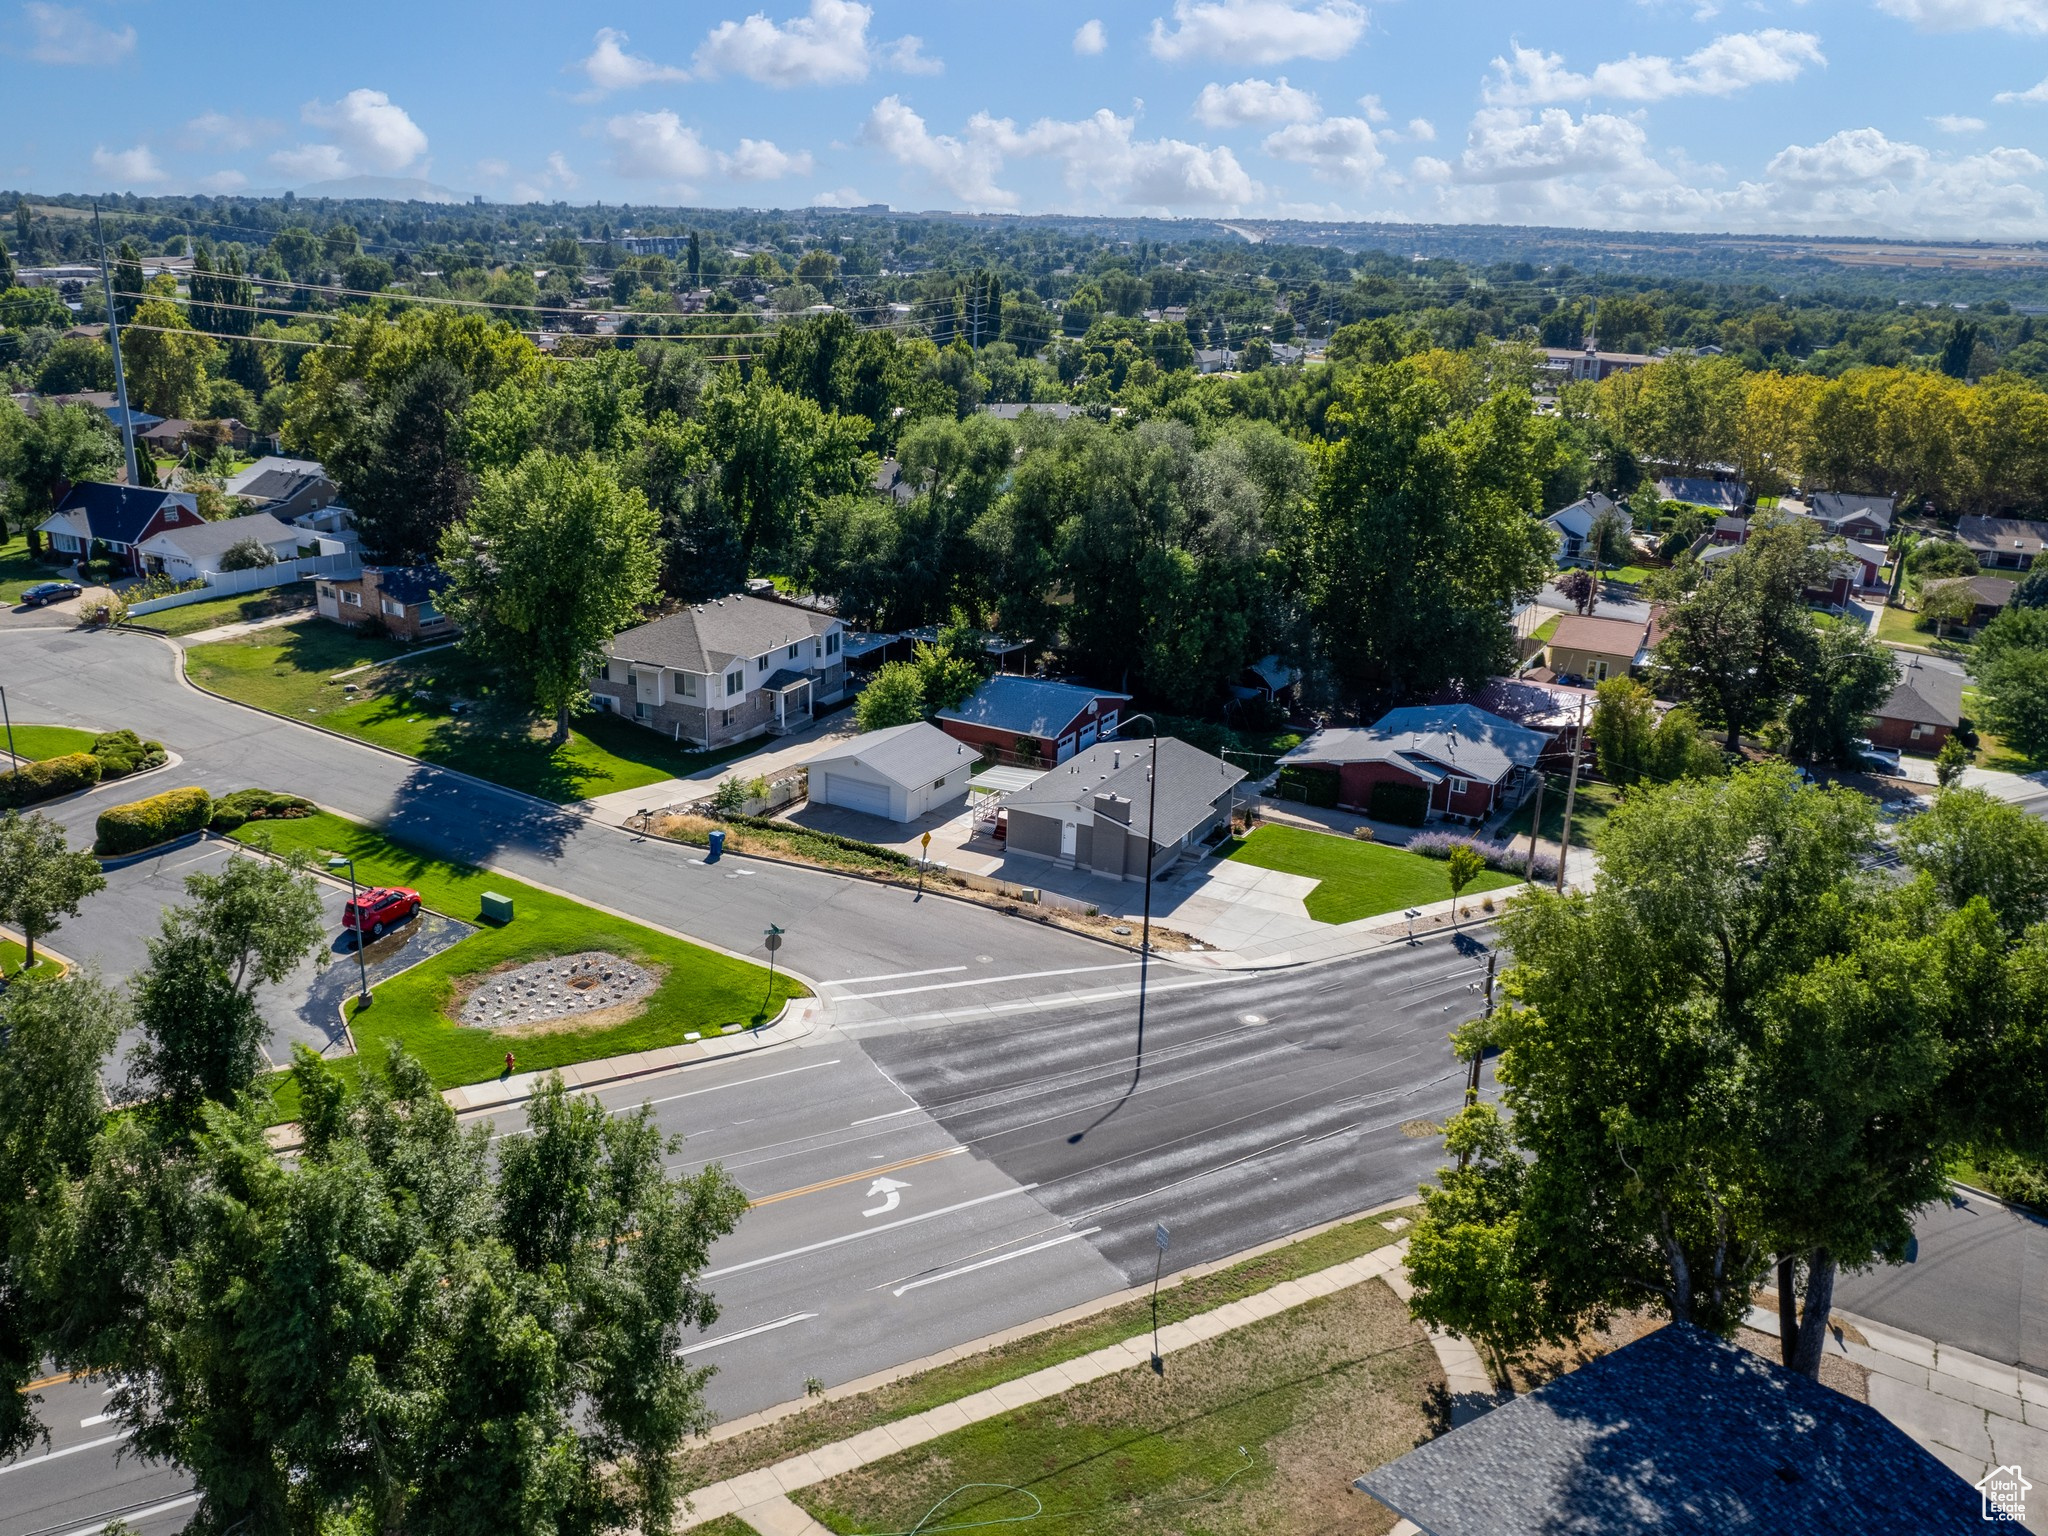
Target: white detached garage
[(899, 774)]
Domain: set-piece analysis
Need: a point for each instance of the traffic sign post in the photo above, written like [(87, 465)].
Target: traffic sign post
[(772, 937), (1161, 1237), (925, 843)]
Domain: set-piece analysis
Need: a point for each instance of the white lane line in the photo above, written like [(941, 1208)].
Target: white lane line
[(748, 1333), (854, 981), (69, 1450), (968, 1269), (892, 1115), (134, 1515), (95, 1421), (990, 981), (1032, 1005), (851, 1237), (694, 1092)]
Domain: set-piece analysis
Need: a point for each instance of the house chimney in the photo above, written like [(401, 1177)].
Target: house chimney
[(1115, 807)]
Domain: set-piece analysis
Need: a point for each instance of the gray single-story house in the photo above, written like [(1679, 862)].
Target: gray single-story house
[(725, 670), (189, 551), (898, 774), (1091, 812)]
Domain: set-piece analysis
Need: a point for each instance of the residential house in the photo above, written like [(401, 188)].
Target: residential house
[(2004, 543), (1058, 410), (1860, 567), (1729, 528), (1101, 811), (1992, 593), (1701, 491), (1680, 1431), (1589, 363), (118, 517), (1557, 710), (104, 401), (1848, 515), (725, 670), (291, 490), (899, 774), (189, 551), (1596, 649), (1271, 679), (1032, 717), (171, 438), (1574, 526), (1923, 711), (1471, 762), (890, 481), (401, 598)]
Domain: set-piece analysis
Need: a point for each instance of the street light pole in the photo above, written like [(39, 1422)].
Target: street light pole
[(362, 965), (10, 730)]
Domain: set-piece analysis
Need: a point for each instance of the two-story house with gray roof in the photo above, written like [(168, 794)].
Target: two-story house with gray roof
[(725, 670)]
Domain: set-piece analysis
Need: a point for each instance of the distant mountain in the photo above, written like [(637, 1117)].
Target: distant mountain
[(394, 189)]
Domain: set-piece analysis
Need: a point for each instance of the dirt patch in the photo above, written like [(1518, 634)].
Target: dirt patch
[(1845, 1376)]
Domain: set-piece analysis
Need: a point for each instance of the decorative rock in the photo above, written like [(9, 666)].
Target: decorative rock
[(554, 989)]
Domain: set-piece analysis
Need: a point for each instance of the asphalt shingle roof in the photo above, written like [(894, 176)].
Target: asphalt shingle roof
[(1833, 507), (711, 635), (1606, 637), (209, 541), (1455, 738), (1678, 1434), (1190, 783), (1029, 706), (909, 755), (1926, 695), (2003, 535), (114, 514)]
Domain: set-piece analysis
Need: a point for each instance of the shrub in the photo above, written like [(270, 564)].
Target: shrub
[(121, 753), (246, 805), (108, 610), (158, 584), (249, 554), (145, 823), (1313, 786), (50, 778), (1508, 858), (1405, 805), (2016, 1179)]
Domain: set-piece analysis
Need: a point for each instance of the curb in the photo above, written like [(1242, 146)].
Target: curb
[(171, 760), (183, 840)]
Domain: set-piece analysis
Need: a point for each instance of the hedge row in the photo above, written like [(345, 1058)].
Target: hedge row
[(145, 823), (245, 805), (123, 752), (52, 777), (850, 844), (1316, 786), (1405, 805)]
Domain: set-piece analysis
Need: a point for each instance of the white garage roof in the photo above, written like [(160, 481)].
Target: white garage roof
[(908, 755)]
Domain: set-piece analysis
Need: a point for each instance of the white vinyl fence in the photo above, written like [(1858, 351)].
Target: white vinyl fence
[(221, 584)]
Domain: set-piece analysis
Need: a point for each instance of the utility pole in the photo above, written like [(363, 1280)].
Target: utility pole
[(1479, 1049), (114, 340), (1571, 794), (1535, 824)]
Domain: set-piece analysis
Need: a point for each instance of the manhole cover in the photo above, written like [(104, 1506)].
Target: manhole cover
[(1253, 1018)]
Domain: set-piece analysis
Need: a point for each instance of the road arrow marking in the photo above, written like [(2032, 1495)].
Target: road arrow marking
[(890, 1191)]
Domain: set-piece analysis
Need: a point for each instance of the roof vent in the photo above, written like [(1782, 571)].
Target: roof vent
[(1116, 758)]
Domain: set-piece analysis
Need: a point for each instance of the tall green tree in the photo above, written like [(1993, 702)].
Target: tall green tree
[(166, 359), (407, 478), (2010, 665), (42, 878), (554, 559), (127, 275), (59, 444), (1972, 845), (1848, 677), (775, 456)]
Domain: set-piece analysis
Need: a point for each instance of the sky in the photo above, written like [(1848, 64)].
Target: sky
[(1920, 118)]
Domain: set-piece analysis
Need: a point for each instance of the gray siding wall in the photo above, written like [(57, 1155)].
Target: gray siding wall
[(1034, 834)]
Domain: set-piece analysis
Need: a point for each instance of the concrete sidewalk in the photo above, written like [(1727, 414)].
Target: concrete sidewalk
[(776, 756)]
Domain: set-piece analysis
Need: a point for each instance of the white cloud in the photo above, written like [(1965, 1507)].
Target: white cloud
[(1730, 63), (1258, 31), (840, 197), (1089, 38), (2033, 95), (655, 146), (218, 130), (61, 35), (135, 167), (1256, 101), (223, 181), (610, 68), (1860, 180), (1506, 145), (552, 181), (371, 132), (2029, 16), (761, 160), (964, 167), (1336, 149), (494, 169), (1950, 122), (830, 46), (1422, 130)]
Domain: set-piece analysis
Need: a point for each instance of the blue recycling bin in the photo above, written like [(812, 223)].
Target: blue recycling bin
[(717, 846)]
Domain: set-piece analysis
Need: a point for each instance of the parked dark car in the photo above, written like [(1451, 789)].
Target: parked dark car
[(49, 592), (380, 908)]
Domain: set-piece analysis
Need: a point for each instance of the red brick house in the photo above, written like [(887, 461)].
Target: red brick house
[(117, 518), (1058, 719), (1923, 711), (1471, 762), (399, 597)]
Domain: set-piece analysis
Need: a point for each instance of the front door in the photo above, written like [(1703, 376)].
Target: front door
[(1067, 841)]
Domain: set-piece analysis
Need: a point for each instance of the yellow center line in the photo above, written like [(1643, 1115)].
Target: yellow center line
[(57, 1381), (854, 1178)]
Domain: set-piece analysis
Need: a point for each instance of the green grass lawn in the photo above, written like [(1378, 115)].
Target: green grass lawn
[(1630, 575), (38, 742), (1542, 632), (409, 708), (1590, 811), (1258, 1430), (245, 609), (702, 990), (11, 956), (1356, 879), (1903, 627), (18, 570)]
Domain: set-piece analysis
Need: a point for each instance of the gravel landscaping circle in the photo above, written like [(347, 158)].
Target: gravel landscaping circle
[(566, 987)]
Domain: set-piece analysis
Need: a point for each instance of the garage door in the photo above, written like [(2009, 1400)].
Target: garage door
[(856, 794)]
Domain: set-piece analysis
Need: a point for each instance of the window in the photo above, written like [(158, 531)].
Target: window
[(832, 644), (793, 650), (939, 784), (1459, 786), (1108, 723), (632, 675), (639, 709), (428, 611), (353, 599), (391, 607), (1599, 671), (686, 685), (761, 662), (736, 682)]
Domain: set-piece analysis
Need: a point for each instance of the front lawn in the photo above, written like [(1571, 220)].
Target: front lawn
[(1595, 803), (40, 742), (18, 569), (410, 707), (1903, 627), (1355, 879), (1258, 1430), (701, 990), (1628, 575), (245, 609)]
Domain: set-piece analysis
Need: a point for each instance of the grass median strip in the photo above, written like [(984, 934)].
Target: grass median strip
[(1354, 878), (836, 1419), (39, 743), (700, 990), (1258, 1430)]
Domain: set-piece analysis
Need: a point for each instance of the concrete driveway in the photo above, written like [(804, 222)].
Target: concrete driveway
[(774, 757)]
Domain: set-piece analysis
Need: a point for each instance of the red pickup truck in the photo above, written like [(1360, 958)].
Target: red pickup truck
[(380, 908)]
